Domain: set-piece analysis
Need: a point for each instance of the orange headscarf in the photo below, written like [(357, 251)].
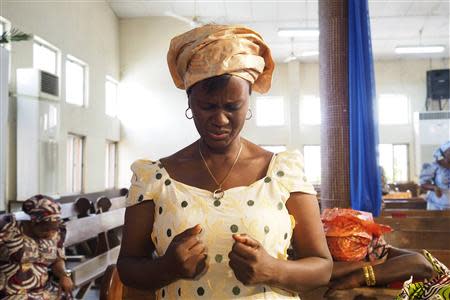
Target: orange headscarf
[(213, 50)]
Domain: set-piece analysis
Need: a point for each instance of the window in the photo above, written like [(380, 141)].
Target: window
[(393, 109), (74, 178), (394, 160), (310, 110), (311, 156), (45, 57), (269, 111), (274, 148), (111, 97), (76, 73), (110, 165)]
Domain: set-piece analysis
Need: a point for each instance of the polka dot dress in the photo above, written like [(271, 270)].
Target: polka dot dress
[(258, 210)]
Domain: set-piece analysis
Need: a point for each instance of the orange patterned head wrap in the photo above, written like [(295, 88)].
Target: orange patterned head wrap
[(213, 50)]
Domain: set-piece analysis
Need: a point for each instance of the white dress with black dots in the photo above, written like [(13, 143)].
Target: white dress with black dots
[(258, 210)]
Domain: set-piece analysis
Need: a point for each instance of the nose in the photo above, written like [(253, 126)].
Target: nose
[(220, 118)]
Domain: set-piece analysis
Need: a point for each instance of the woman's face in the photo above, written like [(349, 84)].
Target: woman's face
[(45, 230), (220, 115)]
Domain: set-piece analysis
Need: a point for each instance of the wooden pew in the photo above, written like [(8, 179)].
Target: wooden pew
[(412, 203), (80, 230), (411, 213)]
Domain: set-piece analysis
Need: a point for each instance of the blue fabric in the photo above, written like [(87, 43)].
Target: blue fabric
[(365, 181)]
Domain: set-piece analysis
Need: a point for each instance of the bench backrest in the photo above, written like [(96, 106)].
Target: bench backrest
[(80, 230)]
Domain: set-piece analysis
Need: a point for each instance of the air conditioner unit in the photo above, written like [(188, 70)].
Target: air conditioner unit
[(38, 133), (431, 129), (37, 83)]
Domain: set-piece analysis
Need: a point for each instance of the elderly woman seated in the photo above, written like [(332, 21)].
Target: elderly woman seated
[(29, 248)]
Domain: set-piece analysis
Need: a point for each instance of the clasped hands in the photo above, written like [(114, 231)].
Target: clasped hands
[(186, 258)]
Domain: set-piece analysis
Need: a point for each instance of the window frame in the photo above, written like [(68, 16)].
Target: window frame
[(107, 164), (70, 187), (394, 179), (74, 60), (43, 43)]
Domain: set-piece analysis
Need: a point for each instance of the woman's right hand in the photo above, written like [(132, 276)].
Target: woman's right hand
[(438, 192), (186, 255)]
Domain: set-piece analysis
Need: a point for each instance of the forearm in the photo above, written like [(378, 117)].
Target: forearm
[(343, 268), (158, 272), (302, 274), (428, 186), (59, 268), (402, 268)]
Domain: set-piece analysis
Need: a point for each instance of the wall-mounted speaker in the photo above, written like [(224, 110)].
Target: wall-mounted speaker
[(438, 86)]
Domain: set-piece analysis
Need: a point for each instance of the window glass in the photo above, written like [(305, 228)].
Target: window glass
[(110, 165), (74, 176), (394, 160), (45, 58), (75, 83)]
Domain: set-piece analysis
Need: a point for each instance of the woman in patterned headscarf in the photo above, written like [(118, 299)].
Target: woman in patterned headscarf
[(435, 178), (220, 214), (29, 248)]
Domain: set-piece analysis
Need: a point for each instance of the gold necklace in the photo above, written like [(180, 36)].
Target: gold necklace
[(219, 192)]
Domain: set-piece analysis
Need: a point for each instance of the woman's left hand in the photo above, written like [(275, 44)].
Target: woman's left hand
[(250, 262), (66, 287)]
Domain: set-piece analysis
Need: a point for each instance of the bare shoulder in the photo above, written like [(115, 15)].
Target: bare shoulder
[(185, 155), (256, 153)]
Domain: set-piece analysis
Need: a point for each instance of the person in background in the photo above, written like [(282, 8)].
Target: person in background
[(435, 178), (221, 213), (361, 255), (29, 248)]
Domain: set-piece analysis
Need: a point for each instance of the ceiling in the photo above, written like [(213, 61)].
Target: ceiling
[(393, 22)]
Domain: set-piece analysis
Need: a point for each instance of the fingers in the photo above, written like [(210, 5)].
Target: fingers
[(246, 239), (198, 248), (192, 231), (244, 251)]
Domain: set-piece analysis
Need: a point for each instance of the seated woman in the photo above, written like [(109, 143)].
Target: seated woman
[(435, 178), (29, 248), (220, 213), (362, 257)]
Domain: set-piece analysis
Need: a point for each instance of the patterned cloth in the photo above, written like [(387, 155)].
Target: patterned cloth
[(439, 153), (258, 210), (213, 50), (42, 208), (24, 263), (437, 288), (436, 174)]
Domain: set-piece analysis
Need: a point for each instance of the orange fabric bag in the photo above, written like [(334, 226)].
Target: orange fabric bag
[(349, 232)]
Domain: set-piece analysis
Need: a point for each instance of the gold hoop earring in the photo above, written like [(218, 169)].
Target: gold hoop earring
[(186, 113), (248, 117)]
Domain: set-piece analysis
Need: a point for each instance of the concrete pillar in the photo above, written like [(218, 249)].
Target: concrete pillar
[(333, 46)]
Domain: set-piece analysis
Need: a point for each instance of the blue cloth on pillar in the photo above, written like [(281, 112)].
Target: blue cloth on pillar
[(365, 181)]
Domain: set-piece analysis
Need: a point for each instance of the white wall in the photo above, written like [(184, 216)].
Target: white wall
[(151, 107), (90, 32)]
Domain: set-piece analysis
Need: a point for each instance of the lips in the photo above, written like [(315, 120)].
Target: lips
[(218, 135)]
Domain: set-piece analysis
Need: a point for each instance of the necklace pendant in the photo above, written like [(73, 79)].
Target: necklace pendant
[(218, 194)]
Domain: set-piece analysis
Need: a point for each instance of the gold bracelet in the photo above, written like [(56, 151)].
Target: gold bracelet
[(366, 275), (372, 275)]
